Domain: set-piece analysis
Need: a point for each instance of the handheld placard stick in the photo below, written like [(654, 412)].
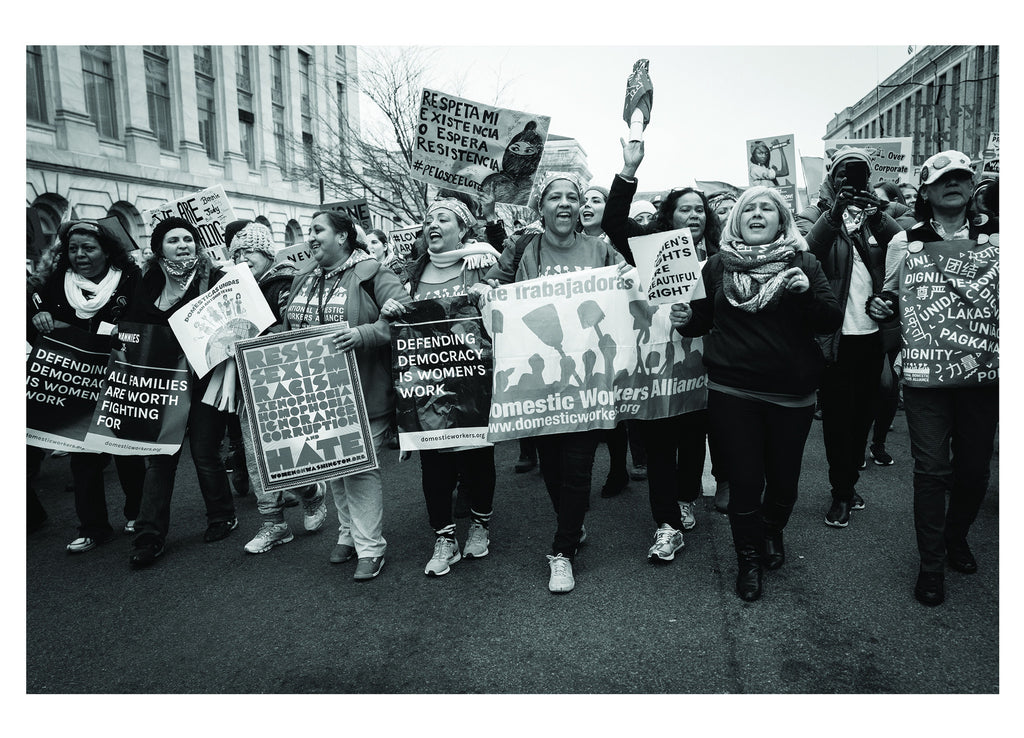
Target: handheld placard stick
[(639, 100)]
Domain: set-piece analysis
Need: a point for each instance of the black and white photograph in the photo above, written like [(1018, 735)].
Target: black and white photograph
[(806, 505)]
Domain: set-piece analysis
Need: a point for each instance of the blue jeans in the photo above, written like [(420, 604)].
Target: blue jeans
[(567, 464), (270, 504), (952, 438), (206, 425)]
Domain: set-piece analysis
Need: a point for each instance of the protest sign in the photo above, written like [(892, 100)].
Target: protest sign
[(585, 350), (403, 240), (208, 326), (208, 210), (668, 266), (465, 146), (949, 307), (814, 174), (300, 256), (65, 377), (891, 158), (442, 369), (771, 161), (358, 210), (304, 405), (144, 404)]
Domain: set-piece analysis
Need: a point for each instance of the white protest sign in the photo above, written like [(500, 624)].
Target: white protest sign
[(891, 158), (208, 210), (298, 255), (208, 326), (466, 146), (668, 267), (402, 240)]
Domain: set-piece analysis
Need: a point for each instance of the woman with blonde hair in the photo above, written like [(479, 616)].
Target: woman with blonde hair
[(767, 297)]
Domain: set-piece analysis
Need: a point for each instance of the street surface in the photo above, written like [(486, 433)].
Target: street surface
[(838, 618)]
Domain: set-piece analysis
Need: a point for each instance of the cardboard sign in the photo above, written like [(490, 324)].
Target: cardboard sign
[(771, 161), (300, 256), (465, 145), (65, 371), (358, 210), (442, 368), (585, 350), (305, 408), (891, 158), (403, 240), (208, 210), (949, 313), (668, 266), (144, 405), (208, 326)]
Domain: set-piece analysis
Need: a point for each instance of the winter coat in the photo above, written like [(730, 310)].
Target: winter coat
[(770, 351), (367, 285), (834, 248)]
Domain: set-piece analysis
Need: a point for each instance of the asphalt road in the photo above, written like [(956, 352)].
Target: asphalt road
[(838, 618)]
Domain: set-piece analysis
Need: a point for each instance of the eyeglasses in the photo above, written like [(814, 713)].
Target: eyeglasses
[(83, 225)]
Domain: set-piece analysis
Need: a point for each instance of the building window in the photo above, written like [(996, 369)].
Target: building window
[(954, 108), (158, 95), (292, 233), (246, 117), (98, 76), (206, 99), (277, 105), (307, 150), (993, 91), (35, 91)]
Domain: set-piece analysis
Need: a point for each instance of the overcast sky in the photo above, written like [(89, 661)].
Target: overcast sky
[(708, 100)]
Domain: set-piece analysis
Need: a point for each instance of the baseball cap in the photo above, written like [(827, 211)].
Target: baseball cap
[(943, 163)]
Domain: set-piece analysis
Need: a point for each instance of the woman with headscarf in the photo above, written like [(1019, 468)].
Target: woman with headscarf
[(449, 268), (90, 284), (348, 285), (767, 297), (676, 446), (177, 273), (566, 459)]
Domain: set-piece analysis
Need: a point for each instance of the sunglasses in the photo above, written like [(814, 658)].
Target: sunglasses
[(82, 225)]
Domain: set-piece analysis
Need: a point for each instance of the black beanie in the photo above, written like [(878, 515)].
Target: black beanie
[(156, 241)]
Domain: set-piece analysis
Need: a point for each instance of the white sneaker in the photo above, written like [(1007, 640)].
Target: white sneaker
[(446, 553), (667, 540), (129, 526), (269, 535), (476, 542), (314, 511), (687, 516), (561, 574)]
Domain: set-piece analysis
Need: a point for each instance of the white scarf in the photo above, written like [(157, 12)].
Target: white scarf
[(473, 255), (75, 287)]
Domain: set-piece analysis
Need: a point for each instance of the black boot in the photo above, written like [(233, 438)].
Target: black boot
[(774, 518), (747, 534)]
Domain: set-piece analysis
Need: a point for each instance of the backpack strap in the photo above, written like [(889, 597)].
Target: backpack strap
[(521, 245)]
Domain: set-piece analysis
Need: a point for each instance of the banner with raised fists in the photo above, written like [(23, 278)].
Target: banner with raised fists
[(585, 350)]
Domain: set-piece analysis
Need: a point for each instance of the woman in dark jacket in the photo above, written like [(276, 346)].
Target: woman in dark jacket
[(176, 274), (90, 284), (675, 446), (849, 233), (767, 297)]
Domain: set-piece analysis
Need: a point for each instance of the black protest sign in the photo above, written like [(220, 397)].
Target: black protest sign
[(65, 373), (442, 365), (144, 404)]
